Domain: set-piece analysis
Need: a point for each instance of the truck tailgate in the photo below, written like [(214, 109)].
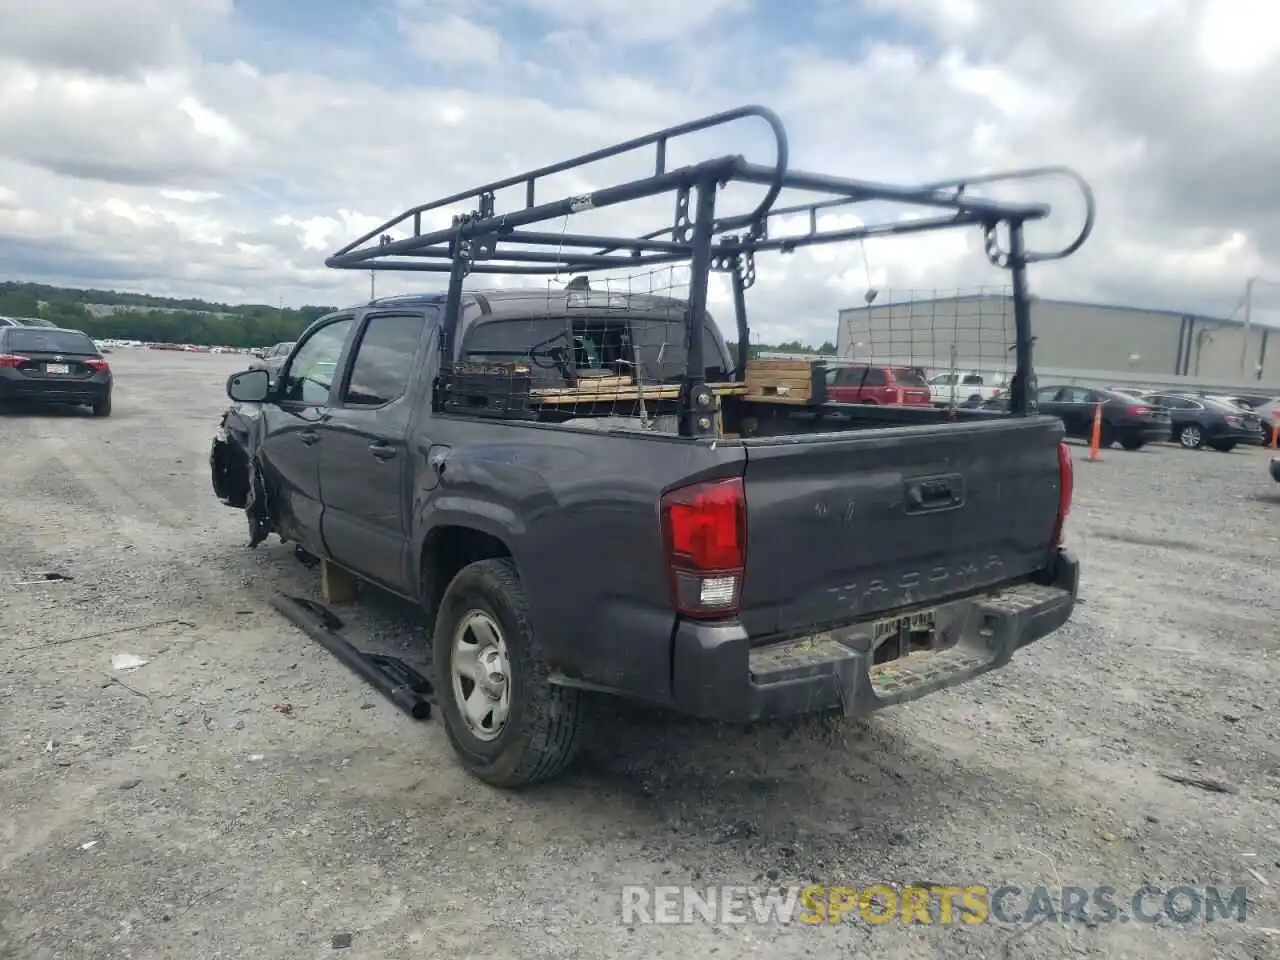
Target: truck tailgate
[(843, 527)]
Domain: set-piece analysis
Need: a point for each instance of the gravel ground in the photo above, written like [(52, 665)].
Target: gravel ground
[(183, 816)]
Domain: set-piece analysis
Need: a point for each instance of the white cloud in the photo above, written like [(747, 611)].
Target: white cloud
[(452, 41), (104, 36), (135, 152), (641, 21)]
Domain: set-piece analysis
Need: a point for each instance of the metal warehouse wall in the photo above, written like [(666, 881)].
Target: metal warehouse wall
[(1073, 336)]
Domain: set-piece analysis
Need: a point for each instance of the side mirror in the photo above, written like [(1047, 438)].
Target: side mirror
[(249, 386)]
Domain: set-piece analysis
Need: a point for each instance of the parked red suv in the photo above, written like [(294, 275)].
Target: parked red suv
[(877, 383)]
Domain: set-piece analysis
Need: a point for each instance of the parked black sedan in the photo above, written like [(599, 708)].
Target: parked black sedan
[(1126, 420), (49, 365), (1201, 422)]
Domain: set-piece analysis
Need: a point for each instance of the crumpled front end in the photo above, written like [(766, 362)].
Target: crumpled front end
[(236, 471)]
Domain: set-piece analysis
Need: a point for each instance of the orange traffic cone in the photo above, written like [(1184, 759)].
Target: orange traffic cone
[(1275, 429), (1095, 441)]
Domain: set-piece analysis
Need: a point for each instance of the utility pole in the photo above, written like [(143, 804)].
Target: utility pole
[(1248, 322), (373, 286)]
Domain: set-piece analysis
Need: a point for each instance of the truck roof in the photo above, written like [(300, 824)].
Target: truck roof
[(529, 302)]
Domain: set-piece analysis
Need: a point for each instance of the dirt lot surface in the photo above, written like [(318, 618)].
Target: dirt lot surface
[(183, 816)]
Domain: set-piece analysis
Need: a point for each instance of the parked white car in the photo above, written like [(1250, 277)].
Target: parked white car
[(966, 386)]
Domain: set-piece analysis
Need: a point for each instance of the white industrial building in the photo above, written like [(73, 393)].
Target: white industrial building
[(976, 332)]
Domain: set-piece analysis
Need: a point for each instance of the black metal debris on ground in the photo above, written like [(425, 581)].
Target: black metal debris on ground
[(390, 676), (99, 634), (50, 577)]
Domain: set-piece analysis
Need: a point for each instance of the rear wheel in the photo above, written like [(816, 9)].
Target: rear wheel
[(1224, 446), (509, 725), (1132, 443), (1191, 437), (103, 407)]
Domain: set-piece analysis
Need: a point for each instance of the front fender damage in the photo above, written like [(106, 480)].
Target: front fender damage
[(236, 469)]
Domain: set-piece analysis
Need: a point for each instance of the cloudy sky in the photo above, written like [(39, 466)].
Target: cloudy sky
[(222, 148)]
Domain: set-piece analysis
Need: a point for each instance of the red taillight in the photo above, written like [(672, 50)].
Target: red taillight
[(995, 394), (1066, 489), (12, 360), (98, 365), (1234, 421), (704, 527), (1137, 411)]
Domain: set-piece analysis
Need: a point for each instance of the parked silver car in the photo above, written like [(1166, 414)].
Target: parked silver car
[(272, 359)]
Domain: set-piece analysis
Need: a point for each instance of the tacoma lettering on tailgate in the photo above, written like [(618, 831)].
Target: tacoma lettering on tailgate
[(954, 576)]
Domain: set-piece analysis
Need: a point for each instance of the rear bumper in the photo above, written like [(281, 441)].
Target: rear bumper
[(1233, 435), (716, 674), (35, 390)]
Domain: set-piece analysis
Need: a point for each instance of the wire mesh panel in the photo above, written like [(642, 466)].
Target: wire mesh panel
[(938, 330), (604, 348)]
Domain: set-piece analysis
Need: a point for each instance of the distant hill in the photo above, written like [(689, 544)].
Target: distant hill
[(110, 314)]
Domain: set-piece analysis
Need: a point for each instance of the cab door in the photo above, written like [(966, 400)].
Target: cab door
[(366, 465), (293, 418)]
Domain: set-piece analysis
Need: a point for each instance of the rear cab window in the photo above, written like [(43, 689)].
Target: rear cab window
[(40, 340), (617, 344)]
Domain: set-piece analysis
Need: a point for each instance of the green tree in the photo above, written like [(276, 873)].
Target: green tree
[(152, 319)]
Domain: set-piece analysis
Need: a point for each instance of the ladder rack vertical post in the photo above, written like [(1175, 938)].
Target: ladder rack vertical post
[(696, 413), (1022, 395), (744, 329)]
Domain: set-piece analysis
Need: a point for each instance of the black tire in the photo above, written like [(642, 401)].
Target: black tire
[(546, 724), (1132, 443), (1106, 436), (103, 407), (1224, 446)]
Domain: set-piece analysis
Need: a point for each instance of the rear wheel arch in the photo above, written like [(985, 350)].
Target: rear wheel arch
[(447, 550)]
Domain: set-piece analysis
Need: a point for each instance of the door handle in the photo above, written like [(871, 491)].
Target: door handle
[(935, 493), (308, 437), (382, 451)]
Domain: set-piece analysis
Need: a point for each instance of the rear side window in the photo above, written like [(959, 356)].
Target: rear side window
[(874, 377), (39, 340), (909, 378), (384, 360)]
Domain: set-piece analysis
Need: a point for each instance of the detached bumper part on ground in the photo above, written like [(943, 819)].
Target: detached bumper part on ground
[(717, 674)]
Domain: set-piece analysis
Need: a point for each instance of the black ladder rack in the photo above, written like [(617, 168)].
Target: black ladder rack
[(486, 241)]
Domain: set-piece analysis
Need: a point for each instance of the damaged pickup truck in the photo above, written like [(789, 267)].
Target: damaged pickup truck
[(588, 495)]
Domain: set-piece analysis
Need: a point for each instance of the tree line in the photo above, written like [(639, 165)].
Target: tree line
[(152, 319), (157, 319)]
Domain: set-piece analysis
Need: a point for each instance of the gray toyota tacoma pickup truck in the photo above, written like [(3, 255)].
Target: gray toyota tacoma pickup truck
[(677, 533)]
